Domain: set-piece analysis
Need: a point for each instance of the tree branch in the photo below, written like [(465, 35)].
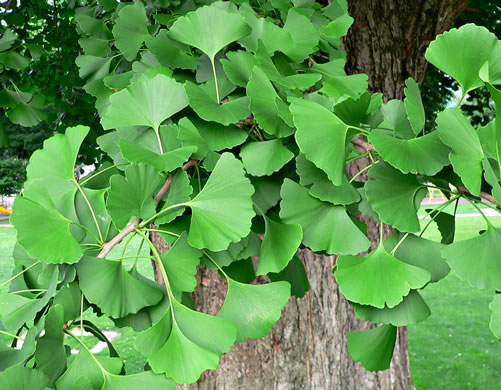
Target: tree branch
[(363, 144), (165, 188), (108, 246), (483, 195)]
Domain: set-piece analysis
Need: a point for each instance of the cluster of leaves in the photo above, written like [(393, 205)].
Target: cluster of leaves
[(228, 133)]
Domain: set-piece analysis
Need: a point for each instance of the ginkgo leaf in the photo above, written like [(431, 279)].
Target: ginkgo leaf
[(50, 355), (491, 174), (304, 36), (132, 195), (7, 40), (92, 26), (395, 197), (337, 28), (265, 157), (58, 156), (280, 243), (205, 104), (315, 122), (254, 308), (19, 377), (180, 191), (461, 52), (411, 310), (321, 187), (295, 274), (42, 229), (146, 102), (395, 115), (197, 340), (16, 309), (209, 29), (373, 348), (238, 66), (146, 380), (300, 81), (95, 46), (267, 192), (94, 368), (414, 105), (222, 211), (495, 322), (466, 156), (180, 263), (378, 279), (326, 227), (263, 103), (93, 67), (273, 37), (426, 155), (353, 110), (476, 260), (11, 356), (170, 53), (219, 137), (422, 253), (113, 289), (130, 29)]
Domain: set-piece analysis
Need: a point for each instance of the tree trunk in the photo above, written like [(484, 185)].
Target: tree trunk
[(307, 348)]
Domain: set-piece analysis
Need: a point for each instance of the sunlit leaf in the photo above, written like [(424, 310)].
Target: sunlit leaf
[(254, 308), (414, 105), (265, 157), (326, 227), (378, 279), (222, 211), (373, 348), (466, 156), (113, 289), (17, 378), (130, 29)]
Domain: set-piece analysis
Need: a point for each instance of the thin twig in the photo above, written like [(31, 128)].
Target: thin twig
[(166, 187), (483, 195), (108, 246), (363, 144)]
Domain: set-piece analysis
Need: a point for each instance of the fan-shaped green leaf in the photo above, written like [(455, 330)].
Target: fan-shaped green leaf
[(395, 114), (113, 289), (58, 156), (50, 355), (132, 196), (181, 263), (314, 123), (495, 323), (466, 155), (421, 253), (238, 66), (461, 53), (476, 260), (325, 227), (42, 229), (300, 81), (146, 102), (414, 105), (321, 187), (280, 243), (254, 308), (17, 378), (93, 67), (336, 28), (222, 211), (373, 348), (263, 103), (203, 100), (218, 137), (130, 29), (273, 37), (267, 192), (11, 356), (426, 155), (378, 279), (7, 40), (145, 380), (209, 29), (197, 340), (170, 53), (16, 309), (95, 46), (394, 197), (304, 36), (411, 310), (295, 274), (265, 157)]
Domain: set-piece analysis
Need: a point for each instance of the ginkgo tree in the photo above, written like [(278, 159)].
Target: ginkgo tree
[(228, 134)]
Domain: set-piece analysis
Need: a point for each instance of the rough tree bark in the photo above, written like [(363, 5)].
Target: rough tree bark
[(307, 348)]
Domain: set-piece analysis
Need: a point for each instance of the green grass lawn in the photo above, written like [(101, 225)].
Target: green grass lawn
[(452, 349)]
